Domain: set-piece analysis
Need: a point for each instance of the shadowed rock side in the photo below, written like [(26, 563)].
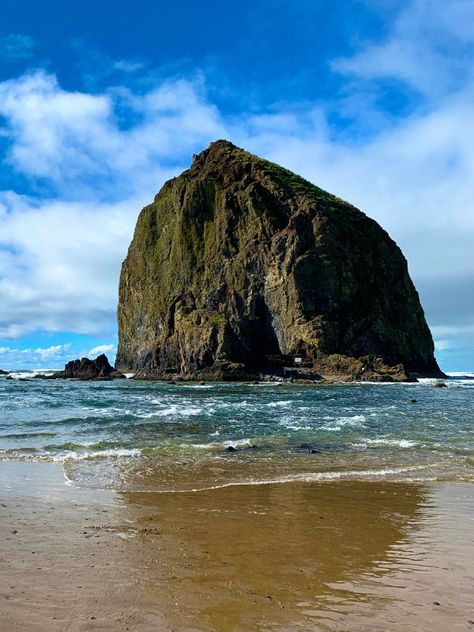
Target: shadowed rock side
[(241, 268), (86, 369)]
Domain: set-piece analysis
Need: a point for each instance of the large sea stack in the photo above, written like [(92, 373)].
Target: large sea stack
[(241, 268)]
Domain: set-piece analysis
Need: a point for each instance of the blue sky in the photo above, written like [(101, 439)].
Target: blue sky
[(100, 102)]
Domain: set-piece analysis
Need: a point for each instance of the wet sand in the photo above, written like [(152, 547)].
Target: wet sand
[(294, 556)]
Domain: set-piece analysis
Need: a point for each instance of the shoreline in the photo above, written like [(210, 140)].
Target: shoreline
[(345, 555)]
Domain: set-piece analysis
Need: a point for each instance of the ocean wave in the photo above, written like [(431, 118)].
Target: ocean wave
[(396, 443), (266, 383), (314, 477), (18, 375), (28, 435), (34, 454), (294, 424), (216, 445), (355, 421), (97, 454), (200, 386), (237, 443), (281, 403), (177, 410)]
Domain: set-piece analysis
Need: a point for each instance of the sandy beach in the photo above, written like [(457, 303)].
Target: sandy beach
[(299, 556)]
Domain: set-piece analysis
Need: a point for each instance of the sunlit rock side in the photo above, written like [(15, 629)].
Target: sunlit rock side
[(240, 268)]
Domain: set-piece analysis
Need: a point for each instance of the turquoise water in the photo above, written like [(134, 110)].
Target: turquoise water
[(130, 434)]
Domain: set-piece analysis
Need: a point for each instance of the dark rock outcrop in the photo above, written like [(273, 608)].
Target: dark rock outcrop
[(86, 369), (3, 372), (241, 268)]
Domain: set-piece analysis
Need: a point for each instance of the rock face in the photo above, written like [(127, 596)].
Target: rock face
[(241, 268), (85, 369)]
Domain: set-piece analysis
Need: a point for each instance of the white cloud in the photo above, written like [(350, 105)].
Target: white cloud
[(60, 255), (51, 357), (78, 139), (429, 48), (125, 65), (49, 352), (16, 46), (442, 345), (60, 267), (95, 351)]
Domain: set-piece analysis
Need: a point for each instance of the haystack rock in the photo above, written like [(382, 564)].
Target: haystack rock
[(240, 268)]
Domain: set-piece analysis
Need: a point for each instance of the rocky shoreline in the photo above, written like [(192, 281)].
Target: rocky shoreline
[(361, 370)]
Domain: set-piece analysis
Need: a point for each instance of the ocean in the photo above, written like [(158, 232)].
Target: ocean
[(130, 435)]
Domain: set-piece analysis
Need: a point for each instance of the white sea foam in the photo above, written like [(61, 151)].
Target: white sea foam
[(292, 424), (396, 443), (96, 454), (237, 443), (199, 446), (383, 384), (264, 384), (214, 445), (17, 375), (200, 386), (313, 477), (356, 421), (460, 373), (73, 455), (174, 410), (280, 403)]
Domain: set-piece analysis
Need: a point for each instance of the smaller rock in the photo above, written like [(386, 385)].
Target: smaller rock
[(413, 401), (307, 447), (3, 372), (86, 369), (230, 448), (440, 385)]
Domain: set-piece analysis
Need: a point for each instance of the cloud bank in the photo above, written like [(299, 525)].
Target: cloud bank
[(54, 356)]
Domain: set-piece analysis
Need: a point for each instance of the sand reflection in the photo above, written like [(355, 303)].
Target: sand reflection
[(296, 556)]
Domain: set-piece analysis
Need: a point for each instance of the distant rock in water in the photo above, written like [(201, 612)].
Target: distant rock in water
[(3, 372), (241, 268), (85, 369)]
